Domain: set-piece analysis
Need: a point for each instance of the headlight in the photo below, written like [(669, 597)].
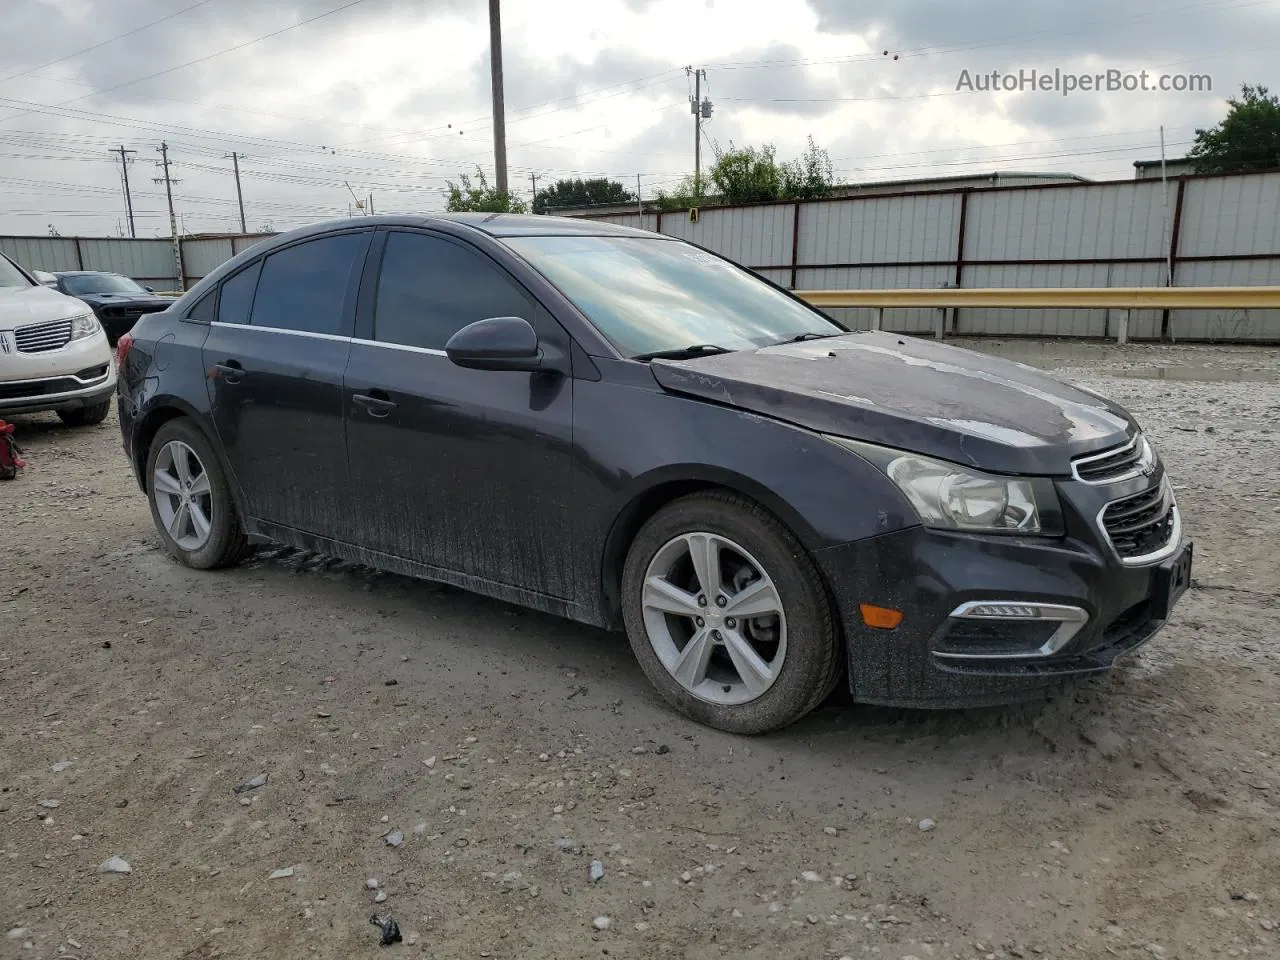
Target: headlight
[(1147, 453), (84, 326), (951, 497)]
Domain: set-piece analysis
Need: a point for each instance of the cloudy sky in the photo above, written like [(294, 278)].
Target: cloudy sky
[(324, 99)]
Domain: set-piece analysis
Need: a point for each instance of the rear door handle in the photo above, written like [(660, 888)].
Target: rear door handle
[(231, 371), (375, 406)]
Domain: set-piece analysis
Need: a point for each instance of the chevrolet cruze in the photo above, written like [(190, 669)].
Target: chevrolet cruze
[(629, 431)]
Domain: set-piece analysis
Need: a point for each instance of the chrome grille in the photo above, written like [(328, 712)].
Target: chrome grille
[(1111, 466), (1141, 525), (42, 337)]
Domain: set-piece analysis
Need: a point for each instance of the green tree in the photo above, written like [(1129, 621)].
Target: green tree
[(808, 177), (747, 175), (480, 197), (687, 193), (1248, 138), (580, 193)]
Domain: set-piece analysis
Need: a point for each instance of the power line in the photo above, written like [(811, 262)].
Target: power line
[(190, 63), (103, 43)]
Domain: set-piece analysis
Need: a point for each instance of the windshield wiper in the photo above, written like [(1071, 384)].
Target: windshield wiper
[(683, 353), (809, 336)]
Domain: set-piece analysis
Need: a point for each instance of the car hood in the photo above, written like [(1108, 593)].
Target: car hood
[(19, 307), (912, 394), (125, 300)]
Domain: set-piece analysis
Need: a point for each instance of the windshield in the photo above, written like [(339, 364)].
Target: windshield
[(11, 276), (648, 296), (101, 283)]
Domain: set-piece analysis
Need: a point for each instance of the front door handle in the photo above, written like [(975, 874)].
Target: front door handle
[(231, 372), (375, 406)]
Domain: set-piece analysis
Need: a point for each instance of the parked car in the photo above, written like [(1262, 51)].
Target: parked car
[(53, 353), (629, 431), (117, 301)]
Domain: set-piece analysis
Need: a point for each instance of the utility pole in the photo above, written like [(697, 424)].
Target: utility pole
[(639, 203), (700, 109), (128, 199), (168, 182), (499, 112), (371, 203), (533, 179), (235, 162)]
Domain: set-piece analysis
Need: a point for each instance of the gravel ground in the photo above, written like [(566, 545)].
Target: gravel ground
[(1134, 817)]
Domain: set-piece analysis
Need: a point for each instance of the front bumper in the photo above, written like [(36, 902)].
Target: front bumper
[(83, 388), (1098, 610)]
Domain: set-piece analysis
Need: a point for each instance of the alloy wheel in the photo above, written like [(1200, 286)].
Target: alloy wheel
[(714, 618), (183, 495)]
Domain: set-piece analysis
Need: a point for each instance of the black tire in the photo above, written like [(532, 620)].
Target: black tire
[(813, 663), (86, 416), (227, 544)]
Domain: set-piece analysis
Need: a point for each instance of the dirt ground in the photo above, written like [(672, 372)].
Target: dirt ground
[(1134, 817)]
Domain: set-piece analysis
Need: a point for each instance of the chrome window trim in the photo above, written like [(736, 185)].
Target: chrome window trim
[(399, 346), (1071, 619), (297, 333), (1144, 467), (1164, 553)]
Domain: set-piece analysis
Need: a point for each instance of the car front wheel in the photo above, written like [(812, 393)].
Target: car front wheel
[(191, 500), (86, 416), (727, 615)]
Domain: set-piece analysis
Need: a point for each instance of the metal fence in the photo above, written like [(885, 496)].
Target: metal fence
[(1201, 230), (147, 261)]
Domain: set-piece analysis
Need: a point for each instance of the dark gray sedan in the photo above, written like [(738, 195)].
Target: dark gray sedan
[(629, 431)]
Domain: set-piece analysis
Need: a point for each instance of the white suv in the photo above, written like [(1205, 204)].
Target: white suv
[(53, 354)]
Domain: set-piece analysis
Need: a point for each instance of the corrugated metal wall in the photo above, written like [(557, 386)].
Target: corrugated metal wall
[(147, 261), (1230, 234), (1221, 231)]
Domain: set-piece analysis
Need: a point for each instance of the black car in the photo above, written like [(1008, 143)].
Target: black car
[(629, 431), (117, 301)]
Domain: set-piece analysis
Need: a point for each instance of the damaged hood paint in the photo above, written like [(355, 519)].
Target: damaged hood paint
[(912, 394)]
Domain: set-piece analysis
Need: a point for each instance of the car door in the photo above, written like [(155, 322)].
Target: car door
[(463, 470), (274, 360)]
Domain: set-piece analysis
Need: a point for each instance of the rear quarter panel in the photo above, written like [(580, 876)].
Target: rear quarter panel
[(162, 373)]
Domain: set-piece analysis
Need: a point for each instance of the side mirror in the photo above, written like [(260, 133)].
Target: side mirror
[(148, 289), (498, 343)]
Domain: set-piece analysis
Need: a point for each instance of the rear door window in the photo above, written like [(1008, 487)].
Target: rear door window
[(305, 287), (203, 309), (237, 295)]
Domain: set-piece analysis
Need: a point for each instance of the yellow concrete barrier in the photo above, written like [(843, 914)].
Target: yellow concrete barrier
[(1082, 298), (1115, 298)]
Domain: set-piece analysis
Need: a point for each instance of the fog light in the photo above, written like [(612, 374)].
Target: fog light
[(882, 618), (1004, 611)]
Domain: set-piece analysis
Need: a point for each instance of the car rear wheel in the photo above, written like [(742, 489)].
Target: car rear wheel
[(86, 416), (191, 500), (728, 616)]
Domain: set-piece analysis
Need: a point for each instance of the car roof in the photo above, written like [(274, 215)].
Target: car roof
[(86, 273), (494, 224), (526, 225)]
